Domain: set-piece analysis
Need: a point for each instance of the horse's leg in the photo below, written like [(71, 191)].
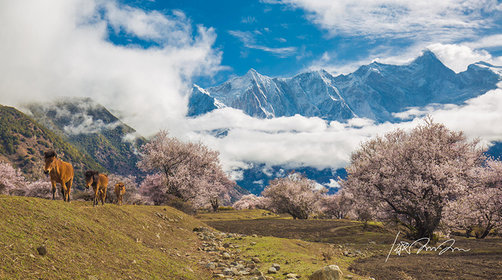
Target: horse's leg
[(64, 191), (69, 188), (53, 183), (104, 198), (96, 193)]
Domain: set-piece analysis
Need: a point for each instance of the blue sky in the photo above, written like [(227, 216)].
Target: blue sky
[(282, 38), (140, 59)]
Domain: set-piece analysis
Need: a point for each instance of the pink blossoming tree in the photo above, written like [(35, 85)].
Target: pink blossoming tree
[(336, 206), (12, 182), (250, 201), (294, 195), (190, 172), (480, 209), (410, 177)]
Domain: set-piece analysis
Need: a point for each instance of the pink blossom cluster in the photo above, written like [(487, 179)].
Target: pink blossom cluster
[(295, 195), (479, 210), (336, 206), (189, 171), (410, 177), (13, 182), (250, 201)]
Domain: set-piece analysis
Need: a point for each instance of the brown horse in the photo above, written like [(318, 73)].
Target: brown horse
[(99, 184), (119, 192), (60, 172)]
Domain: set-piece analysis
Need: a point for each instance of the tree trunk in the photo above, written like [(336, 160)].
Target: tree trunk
[(215, 204), (481, 232)]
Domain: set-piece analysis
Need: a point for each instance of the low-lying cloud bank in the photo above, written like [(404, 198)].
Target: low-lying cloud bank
[(300, 141)]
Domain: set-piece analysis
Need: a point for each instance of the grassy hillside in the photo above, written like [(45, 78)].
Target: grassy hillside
[(23, 142), (105, 242)]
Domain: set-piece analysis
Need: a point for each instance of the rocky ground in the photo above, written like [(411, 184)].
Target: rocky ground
[(226, 261), (365, 249)]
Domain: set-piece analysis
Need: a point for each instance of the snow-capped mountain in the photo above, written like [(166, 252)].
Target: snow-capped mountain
[(374, 91), (309, 94)]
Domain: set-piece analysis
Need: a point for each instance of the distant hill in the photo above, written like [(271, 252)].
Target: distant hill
[(23, 142), (93, 130), (495, 151)]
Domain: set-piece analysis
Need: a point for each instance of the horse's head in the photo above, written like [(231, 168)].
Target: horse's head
[(120, 186), (50, 161), (91, 177)]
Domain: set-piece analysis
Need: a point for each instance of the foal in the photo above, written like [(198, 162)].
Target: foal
[(99, 184), (119, 192)]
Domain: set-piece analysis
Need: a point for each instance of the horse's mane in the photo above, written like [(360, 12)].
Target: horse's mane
[(50, 153), (89, 173)]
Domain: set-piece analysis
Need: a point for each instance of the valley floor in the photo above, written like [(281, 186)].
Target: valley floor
[(45, 239), (362, 250)]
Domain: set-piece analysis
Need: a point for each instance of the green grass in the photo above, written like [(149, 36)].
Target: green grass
[(105, 242), (228, 215), (293, 255)]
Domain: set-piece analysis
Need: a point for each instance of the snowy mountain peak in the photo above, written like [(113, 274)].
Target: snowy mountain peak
[(428, 58), (375, 91), (197, 88)]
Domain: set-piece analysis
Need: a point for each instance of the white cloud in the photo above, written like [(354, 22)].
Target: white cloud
[(454, 56), (458, 57), (397, 18), (476, 118), (487, 42), (249, 41), (332, 184), (62, 49), (286, 141)]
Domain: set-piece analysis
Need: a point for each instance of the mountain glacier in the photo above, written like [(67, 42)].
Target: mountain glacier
[(373, 91)]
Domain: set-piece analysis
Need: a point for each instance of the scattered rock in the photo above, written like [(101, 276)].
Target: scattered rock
[(256, 272), (226, 256), (228, 271), (272, 270), (292, 276), (331, 272), (276, 266), (211, 265), (256, 259), (42, 251)]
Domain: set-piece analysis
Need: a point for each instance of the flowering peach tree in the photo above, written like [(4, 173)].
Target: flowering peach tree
[(189, 171), (480, 209), (410, 177), (294, 195)]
